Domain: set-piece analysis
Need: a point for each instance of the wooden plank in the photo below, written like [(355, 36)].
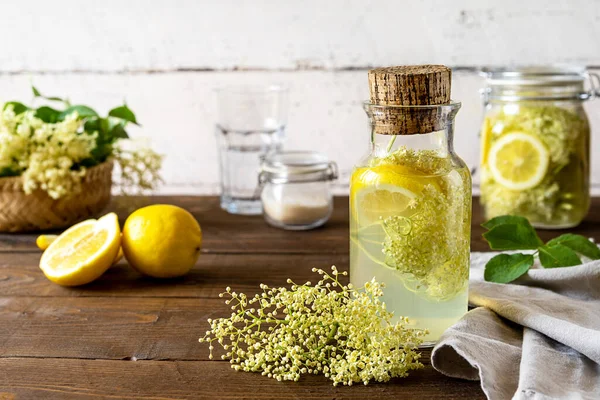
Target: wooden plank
[(223, 232), (21, 276), (84, 379), (226, 233), (106, 328), (109, 328)]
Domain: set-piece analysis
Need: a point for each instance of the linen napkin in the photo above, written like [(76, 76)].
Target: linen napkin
[(536, 338)]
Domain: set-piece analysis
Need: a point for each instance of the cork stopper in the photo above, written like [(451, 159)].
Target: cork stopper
[(411, 85)]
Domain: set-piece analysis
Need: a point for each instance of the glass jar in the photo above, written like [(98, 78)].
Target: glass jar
[(410, 218), (535, 145), (296, 191)]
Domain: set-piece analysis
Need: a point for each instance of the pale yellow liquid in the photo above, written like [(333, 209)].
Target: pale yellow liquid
[(433, 308)]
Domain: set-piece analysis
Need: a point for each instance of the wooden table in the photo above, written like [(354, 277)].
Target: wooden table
[(126, 336)]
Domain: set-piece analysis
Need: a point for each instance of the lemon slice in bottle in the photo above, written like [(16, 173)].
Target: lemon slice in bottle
[(518, 161), (376, 203), (83, 252)]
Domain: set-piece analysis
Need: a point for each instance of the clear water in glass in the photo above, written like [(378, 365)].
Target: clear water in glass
[(241, 154), (251, 124)]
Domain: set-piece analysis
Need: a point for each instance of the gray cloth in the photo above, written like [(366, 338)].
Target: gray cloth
[(536, 338)]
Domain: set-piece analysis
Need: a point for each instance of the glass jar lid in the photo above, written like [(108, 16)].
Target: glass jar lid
[(540, 83), (297, 166)]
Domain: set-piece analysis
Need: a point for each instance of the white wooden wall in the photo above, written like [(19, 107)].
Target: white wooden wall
[(165, 56)]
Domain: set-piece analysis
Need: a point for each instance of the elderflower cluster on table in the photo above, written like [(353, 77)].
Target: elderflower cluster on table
[(52, 149), (330, 328)]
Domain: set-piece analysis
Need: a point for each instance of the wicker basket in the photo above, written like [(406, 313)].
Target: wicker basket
[(20, 212)]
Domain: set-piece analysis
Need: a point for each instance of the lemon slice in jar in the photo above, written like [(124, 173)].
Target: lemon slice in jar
[(518, 161)]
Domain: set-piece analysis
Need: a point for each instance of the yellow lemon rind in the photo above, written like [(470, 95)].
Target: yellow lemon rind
[(44, 241), (162, 241)]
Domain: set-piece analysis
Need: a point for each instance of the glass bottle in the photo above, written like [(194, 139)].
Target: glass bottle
[(535, 145), (410, 213)]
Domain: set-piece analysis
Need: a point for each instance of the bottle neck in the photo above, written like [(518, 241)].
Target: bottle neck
[(411, 127), (439, 141)]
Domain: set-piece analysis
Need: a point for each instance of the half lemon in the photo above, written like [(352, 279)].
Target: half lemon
[(518, 161), (83, 252), (44, 241)]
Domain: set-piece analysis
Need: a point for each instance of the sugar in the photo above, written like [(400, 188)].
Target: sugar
[(299, 210)]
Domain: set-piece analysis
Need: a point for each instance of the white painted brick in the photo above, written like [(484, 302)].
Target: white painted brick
[(116, 35)]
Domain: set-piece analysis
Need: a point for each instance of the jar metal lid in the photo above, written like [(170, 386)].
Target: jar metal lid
[(296, 167), (554, 82)]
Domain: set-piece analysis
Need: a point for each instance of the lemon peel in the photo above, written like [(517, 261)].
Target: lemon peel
[(162, 241)]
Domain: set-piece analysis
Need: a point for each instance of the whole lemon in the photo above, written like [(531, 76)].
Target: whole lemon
[(162, 241)]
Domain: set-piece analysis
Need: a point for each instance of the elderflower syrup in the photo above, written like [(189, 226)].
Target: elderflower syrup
[(410, 200)]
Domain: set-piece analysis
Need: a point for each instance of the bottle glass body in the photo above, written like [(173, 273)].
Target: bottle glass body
[(410, 223)]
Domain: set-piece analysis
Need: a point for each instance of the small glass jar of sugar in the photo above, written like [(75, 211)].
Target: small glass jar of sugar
[(296, 192)]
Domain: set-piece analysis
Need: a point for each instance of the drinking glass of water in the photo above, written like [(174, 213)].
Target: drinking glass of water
[(251, 124)]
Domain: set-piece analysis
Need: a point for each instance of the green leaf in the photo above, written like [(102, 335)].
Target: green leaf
[(18, 108), (557, 255), (101, 152), (104, 140), (512, 237), (8, 171), (92, 125), (505, 268), (83, 111), (123, 112), (118, 132), (578, 243), (36, 93), (47, 114), (505, 219), (88, 162)]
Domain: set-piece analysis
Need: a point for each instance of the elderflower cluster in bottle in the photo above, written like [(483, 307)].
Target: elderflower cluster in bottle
[(431, 222), (329, 328)]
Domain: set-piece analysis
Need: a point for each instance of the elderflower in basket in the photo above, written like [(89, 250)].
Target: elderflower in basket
[(56, 163)]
